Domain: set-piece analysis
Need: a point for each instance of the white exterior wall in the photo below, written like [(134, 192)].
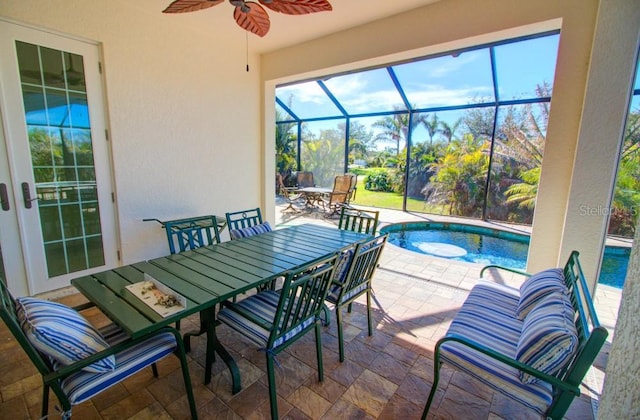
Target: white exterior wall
[(184, 115)]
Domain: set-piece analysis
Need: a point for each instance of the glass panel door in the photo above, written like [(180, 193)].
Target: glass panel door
[(56, 143)]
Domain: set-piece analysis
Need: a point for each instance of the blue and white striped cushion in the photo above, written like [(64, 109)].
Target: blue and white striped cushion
[(342, 265), (537, 287), (549, 338), (250, 231), (62, 333), (262, 305), (496, 327), (334, 292), (82, 385)]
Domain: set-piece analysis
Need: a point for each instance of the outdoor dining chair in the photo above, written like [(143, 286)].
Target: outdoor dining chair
[(191, 233), (246, 223), (352, 279), (276, 319), (358, 220), (76, 360), (339, 195)]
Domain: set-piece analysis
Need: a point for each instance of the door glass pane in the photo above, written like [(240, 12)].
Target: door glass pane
[(57, 116)]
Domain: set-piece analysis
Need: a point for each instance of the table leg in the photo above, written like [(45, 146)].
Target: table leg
[(236, 384)]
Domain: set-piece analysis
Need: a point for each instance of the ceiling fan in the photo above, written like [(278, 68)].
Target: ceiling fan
[(250, 15)]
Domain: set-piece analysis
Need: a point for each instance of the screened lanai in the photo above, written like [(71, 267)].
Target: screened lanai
[(460, 132)]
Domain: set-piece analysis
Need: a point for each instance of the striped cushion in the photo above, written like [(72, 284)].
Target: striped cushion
[(334, 292), (262, 305), (549, 338), (487, 317), (250, 231), (62, 333), (342, 265), (537, 287), (83, 385)]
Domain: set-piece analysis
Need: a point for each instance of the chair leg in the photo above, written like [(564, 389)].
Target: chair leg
[(181, 353), (273, 398), (340, 335), (45, 401), (434, 387), (369, 320), (319, 352), (154, 369)]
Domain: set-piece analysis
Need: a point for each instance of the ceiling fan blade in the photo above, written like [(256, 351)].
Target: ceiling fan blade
[(183, 6), (256, 20), (297, 7)]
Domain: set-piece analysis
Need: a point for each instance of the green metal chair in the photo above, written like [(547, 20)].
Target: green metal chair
[(246, 223), (77, 361), (348, 287), (358, 220), (191, 233), (276, 319)]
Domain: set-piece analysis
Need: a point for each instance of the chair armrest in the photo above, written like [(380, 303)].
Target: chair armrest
[(507, 360), (500, 267)]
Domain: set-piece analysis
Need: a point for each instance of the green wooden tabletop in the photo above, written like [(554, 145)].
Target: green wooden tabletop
[(211, 274)]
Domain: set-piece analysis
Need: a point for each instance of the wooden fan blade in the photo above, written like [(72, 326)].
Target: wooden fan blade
[(297, 7), (183, 6), (256, 20)]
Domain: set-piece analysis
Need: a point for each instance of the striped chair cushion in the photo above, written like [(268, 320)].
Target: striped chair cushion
[(537, 287), (334, 293), (62, 333), (83, 385), (488, 317), (263, 306), (250, 231), (549, 338), (342, 265)]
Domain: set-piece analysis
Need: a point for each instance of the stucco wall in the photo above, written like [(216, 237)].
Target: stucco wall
[(184, 115), (621, 395)]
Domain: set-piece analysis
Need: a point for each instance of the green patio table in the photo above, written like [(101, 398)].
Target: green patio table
[(209, 275)]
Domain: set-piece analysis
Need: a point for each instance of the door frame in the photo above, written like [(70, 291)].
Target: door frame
[(35, 277)]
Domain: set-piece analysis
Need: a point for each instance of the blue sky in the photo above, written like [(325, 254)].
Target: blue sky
[(442, 81)]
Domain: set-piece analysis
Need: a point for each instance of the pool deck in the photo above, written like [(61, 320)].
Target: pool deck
[(413, 285)]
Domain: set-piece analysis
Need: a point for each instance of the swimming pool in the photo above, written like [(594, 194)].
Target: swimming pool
[(484, 245)]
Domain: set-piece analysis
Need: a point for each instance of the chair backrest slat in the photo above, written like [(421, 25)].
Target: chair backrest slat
[(244, 218), (191, 233), (358, 220), (364, 264), (301, 298), (10, 317)]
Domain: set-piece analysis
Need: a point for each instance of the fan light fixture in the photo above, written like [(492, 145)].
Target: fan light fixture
[(249, 15)]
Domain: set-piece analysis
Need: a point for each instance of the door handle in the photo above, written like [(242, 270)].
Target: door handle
[(4, 197), (26, 195)]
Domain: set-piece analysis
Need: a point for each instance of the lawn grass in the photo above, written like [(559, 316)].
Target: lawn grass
[(391, 200)]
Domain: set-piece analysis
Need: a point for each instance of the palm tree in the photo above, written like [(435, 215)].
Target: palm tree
[(395, 129), (431, 126), (448, 131)]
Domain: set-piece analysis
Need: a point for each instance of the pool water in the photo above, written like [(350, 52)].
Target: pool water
[(490, 246)]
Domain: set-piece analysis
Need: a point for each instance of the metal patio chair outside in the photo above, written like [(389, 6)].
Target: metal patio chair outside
[(276, 319), (358, 220), (55, 329), (348, 287)]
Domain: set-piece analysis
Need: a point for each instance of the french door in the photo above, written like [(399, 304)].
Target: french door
[(57, 216)]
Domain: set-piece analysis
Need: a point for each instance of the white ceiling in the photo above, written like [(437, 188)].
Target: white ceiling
[(286, 30)]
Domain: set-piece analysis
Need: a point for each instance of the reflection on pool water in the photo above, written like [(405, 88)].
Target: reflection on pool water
[(489, 246)]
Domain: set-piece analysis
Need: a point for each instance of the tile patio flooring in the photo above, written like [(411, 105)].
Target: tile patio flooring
[(386, 376)]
